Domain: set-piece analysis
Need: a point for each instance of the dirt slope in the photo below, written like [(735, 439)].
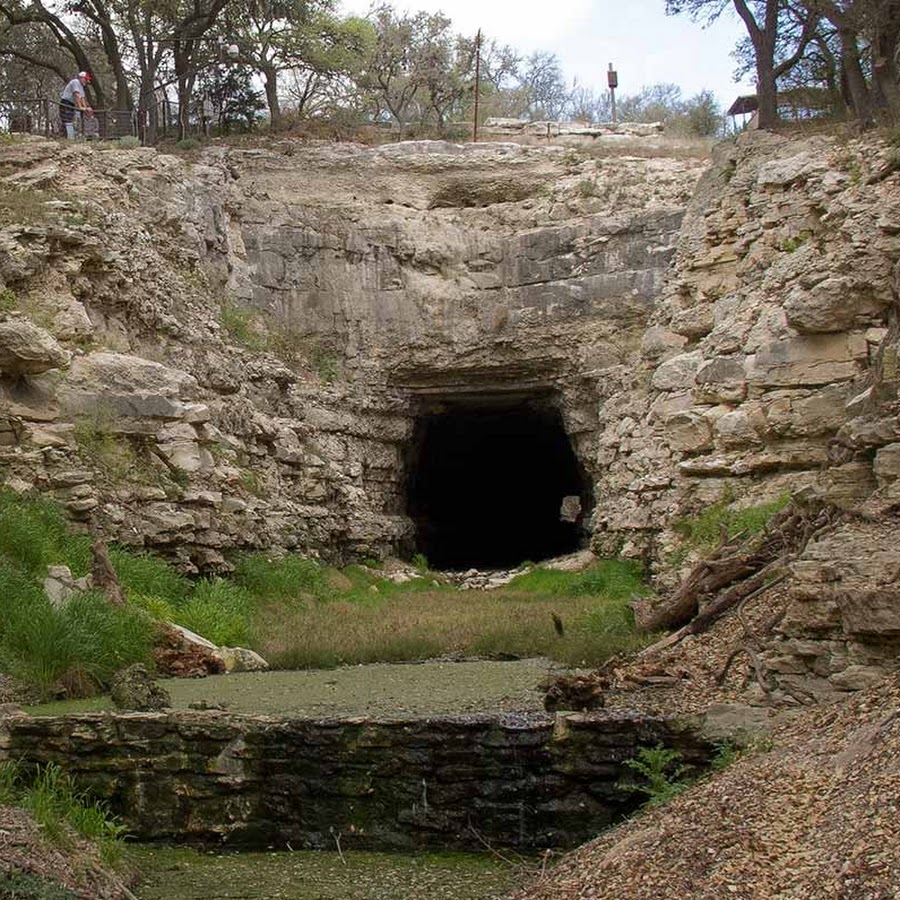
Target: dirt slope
[(815, 816)]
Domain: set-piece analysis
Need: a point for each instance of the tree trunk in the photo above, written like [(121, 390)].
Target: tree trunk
[(763, 40), (271, 84), (767, 96), (148, 110), (884, 68), (182, 58), (860, 95)]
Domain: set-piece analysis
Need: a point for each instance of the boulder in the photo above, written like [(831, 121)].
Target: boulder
[(678, 372), (831, 305), (180, 653), (134, 688), (129, 386), (721, 379), (688, 431), (239, 659), (60, 584), (857, 678), (779, 173), (26, 349), (807, 360)]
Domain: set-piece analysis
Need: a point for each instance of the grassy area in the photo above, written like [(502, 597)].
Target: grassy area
[(355, 616), (78, 646), (181, 874), (50, 795), (297, 612)]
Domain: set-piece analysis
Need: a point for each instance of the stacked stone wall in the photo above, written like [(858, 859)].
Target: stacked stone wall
[(526, 781)]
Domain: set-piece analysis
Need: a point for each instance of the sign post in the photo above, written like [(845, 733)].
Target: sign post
[(612, 79), (477, 84)]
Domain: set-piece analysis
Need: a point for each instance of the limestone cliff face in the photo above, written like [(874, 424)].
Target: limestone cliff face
[(776, 309), (233, 352), (770, 366)]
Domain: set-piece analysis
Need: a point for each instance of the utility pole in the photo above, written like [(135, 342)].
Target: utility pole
[(477, 84), (612, 79)]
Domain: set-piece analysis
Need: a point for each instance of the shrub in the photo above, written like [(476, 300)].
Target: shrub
[(129, 142), (661, 772), (728, 752), (113, 454), (253, 483), (242, 325)]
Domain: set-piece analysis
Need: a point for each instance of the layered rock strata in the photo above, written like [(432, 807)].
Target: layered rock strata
[(240, 347)]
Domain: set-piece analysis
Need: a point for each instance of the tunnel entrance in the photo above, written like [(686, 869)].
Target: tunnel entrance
[(494, 482)]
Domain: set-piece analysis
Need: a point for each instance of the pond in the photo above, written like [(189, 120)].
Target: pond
[(394, 690)]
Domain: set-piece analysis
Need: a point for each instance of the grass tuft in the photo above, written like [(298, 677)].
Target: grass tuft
[(33, 535), (219, 610), (59, 809), (704, 532), (80, 645)]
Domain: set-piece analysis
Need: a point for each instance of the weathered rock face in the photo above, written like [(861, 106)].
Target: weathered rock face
[(519, 781), (26, 349), (777, 305), (134, 688), (266, 328), (241, 353)]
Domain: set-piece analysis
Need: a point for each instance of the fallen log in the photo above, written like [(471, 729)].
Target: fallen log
[(745, 564)]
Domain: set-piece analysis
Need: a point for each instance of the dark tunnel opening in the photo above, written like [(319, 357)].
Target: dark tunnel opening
[(491, 484)]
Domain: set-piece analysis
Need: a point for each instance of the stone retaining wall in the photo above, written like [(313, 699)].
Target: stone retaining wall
[(524, 781)]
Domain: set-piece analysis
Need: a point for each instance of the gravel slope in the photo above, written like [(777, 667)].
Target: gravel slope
[(816, 816)]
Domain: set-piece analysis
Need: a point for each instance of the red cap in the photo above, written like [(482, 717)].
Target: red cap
[(86, 76)]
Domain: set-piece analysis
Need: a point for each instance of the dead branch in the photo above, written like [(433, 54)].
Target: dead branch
[(748, 631), (757, 668), (752, 587), (103, 575), (737, 569)]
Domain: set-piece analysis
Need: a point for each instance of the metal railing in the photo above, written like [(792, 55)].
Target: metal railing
[(41, 116)]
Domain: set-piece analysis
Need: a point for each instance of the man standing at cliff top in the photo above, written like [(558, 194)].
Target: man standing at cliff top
[(73, 99)]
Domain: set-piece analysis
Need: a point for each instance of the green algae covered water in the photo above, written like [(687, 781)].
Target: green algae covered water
[(392, 690), (180, 874)]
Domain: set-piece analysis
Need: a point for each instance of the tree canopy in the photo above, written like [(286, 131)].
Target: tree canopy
[(300, 59)]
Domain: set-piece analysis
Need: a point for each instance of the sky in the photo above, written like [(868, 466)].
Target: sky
[(644, 44)]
